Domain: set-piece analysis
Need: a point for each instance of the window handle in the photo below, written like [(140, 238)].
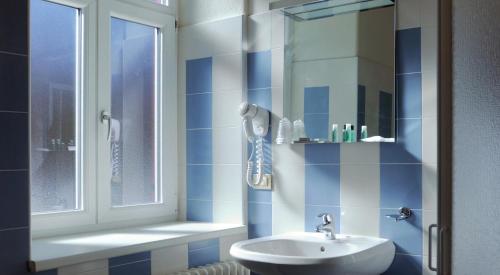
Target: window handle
[(106, 116)]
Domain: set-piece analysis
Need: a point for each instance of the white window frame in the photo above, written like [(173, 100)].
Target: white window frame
[(95, 89)]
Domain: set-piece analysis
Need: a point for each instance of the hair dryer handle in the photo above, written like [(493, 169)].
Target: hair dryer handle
[(248, 128)]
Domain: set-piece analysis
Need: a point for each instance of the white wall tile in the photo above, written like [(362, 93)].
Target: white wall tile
[(425, 266), (288, 197), (88, 268), (277, 29), (408, 14), (259, 32), (288, 154), (211, 38), (225, 109), (360, 153), (429, 13), (429, 48), (225, 244), (429, 140), (359, 221), (257, 6), (429, 71), (227, 145), (277, 63), (360, 186), (228, 73), (197, 11), (169, 259), (228, 211), (428, 218), (429, 187), (227, 183), (182, 194)]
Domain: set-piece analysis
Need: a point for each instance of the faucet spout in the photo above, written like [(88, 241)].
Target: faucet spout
[(327, 226)]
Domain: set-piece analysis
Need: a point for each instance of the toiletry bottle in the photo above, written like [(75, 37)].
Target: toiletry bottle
[(364, 132), (335, 137), (352, 133), (347, 137), (344, 133)]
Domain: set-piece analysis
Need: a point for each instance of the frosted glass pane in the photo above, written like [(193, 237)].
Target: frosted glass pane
[(54, 183), (133, 108)]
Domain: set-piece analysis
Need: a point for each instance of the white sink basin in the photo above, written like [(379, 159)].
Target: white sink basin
[(312, 254)]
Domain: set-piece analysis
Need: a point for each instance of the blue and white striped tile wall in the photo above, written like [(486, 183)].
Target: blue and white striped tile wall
[(156, 262), (360, 183), (14, 141), (211, 88)]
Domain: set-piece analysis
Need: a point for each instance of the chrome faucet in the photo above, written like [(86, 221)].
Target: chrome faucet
[(327, 226)]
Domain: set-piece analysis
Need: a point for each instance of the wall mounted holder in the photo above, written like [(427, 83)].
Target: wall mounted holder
[(404, 213)]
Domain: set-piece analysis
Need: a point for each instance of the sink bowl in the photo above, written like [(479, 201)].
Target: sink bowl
[(312, 254)]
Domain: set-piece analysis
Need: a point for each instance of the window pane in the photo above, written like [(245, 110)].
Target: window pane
[(54, 95), (133, 108)]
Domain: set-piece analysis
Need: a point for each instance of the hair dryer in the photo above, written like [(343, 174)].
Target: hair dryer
[(256, 126)]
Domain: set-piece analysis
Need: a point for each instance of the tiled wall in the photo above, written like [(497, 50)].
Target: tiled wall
[(14, 154), (359, 183), (157, 262), (210, 91)]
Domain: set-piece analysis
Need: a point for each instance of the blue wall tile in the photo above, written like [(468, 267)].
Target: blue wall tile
[(259, 70), (14, 251), (312, 220), (316, 126), (401, 185), (261, 97), (199, 111), (199, 146), (316, 100), (202, 244), (199, 210), (406, 235), (47, 272), (138, 268), (408, 53), (14, 204), (408, 146), (14, 141), (361, 119), (203, 252), (322, 153), (409, 94), (322, 184), (199, 182), (136, 257), (199, 75), (259, 220), (255, 195), (405, 265), (14, 26), (14, 90), (385, 114)]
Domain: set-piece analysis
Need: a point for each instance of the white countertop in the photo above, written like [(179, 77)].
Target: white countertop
[(48, 253)]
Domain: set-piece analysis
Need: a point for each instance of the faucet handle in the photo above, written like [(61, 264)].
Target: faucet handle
[(326, 217)]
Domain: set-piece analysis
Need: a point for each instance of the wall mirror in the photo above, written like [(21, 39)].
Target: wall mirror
[(339, 70)]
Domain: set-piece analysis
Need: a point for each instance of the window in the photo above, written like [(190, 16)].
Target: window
[(90, 58), (55, 96)]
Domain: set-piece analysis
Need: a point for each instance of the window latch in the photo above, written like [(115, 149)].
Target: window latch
[(106, 118)]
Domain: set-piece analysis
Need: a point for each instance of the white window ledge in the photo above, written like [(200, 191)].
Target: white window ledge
[(49, 253)]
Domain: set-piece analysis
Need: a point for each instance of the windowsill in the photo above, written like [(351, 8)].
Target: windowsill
[(49, 253)]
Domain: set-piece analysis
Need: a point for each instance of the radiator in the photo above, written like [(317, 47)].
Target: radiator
[(224, 268)]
